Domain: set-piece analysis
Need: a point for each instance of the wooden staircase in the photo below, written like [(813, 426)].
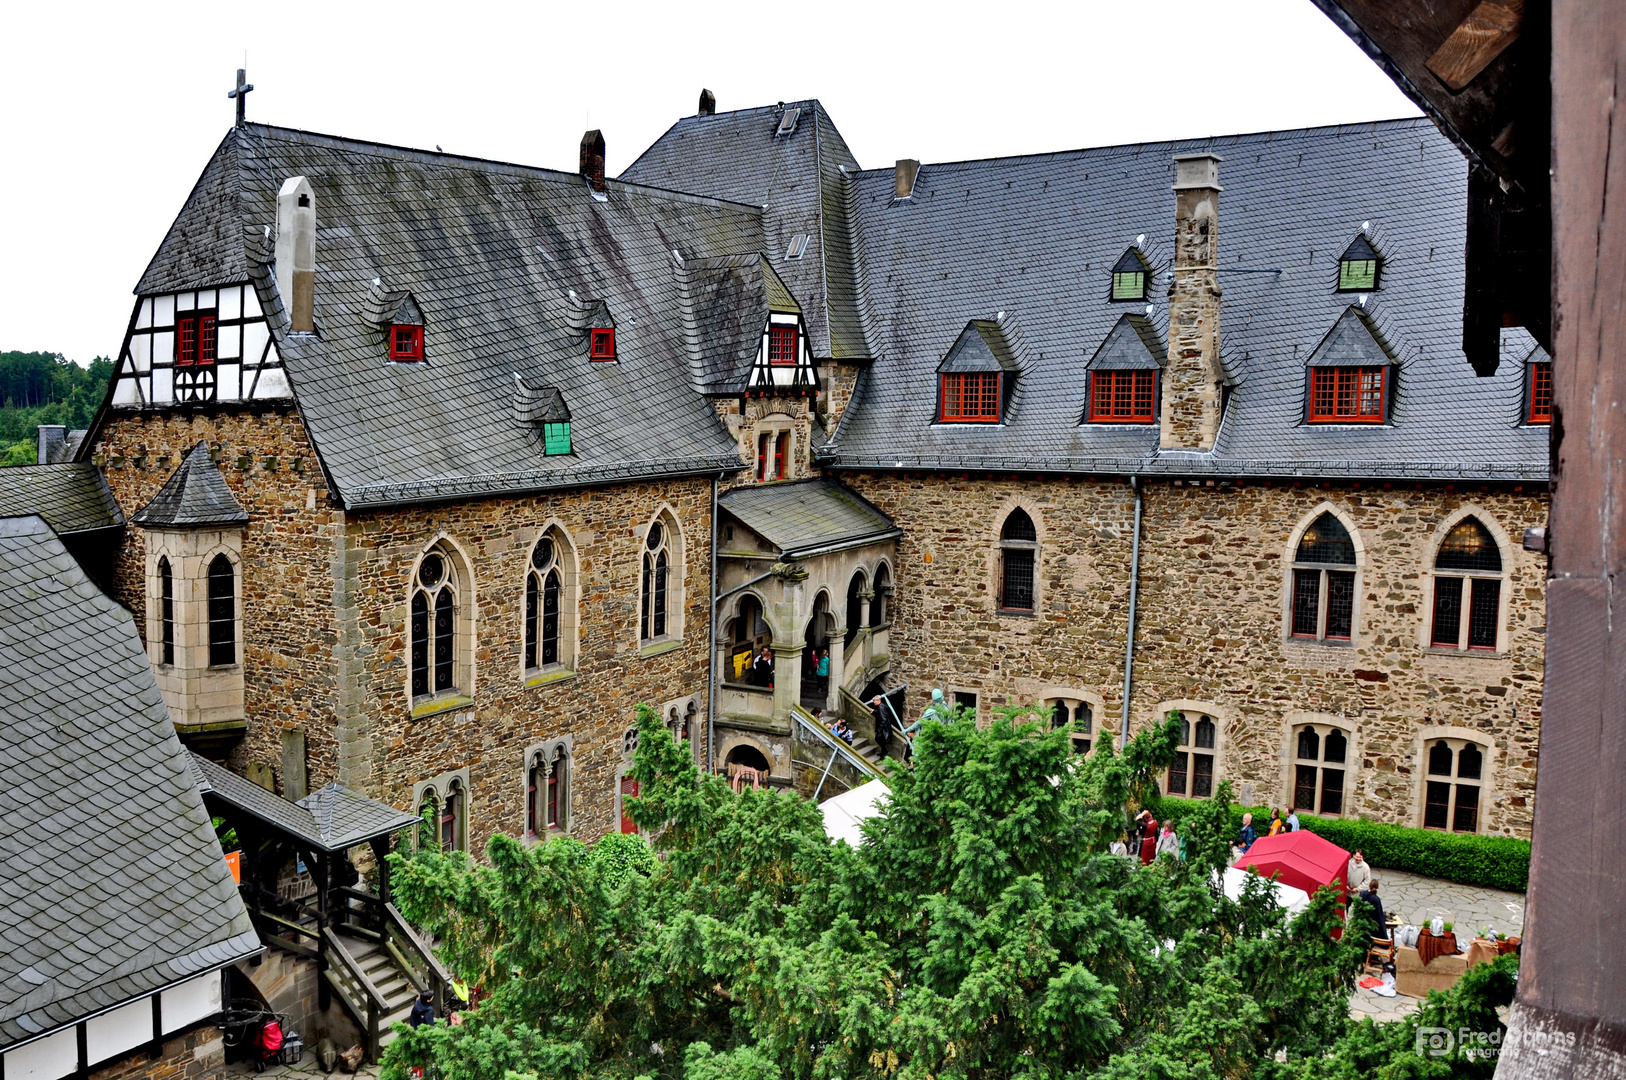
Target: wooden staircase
[(385, 975), (377, 964)]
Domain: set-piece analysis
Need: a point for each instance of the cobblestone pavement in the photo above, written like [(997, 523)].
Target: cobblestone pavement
[(307, 1069), (1416, 899)]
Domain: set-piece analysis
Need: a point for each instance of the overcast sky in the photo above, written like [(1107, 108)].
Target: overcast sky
[(110, 112)]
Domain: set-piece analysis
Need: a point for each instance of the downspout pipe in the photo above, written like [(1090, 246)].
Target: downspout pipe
[(1134, 595), (711, 642)]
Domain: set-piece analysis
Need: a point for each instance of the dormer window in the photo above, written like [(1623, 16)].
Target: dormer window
[(782, 345), (195, 339), (1129, 277), (1122, 396), (970, 397), (1358, 267), (1348, 395), (601, 343), (406, 343), (556, 438), (1540, 381)]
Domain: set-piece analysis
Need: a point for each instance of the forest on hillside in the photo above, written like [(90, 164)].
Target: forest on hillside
[(45, 388)]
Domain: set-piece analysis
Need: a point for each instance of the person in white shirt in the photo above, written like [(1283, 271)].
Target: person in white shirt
[(1360, 874), (1292, 821)]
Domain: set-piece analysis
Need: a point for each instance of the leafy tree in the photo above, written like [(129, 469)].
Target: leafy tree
[(45, 388), (981, 931)]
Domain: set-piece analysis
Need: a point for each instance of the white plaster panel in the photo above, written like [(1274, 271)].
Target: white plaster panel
[(228, 385), (254, 338), (124, 1028), (190, 1001), (273, 384), (124, 391), (144, 314), (163, 384), (227, 342), (782, 320), (163, 310), (45, 1059), (141, 351), (163, 346), (206, 298), (186, 301), (231, 302), (251, 303)]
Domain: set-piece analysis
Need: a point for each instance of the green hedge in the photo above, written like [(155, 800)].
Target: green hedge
[(1492, 862)]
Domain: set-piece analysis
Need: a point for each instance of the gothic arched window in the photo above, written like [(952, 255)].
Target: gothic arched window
[(452, 809), (1467, 588), (1324, 582), (1456, 769), (166, 612), (547, 795), (1318, 769), (222, 612), (1018, 544), (434, 627), (544, 590), (656, 581)]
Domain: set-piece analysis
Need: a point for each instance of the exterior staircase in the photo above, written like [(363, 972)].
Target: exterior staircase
[(385, 975), (376, 963)]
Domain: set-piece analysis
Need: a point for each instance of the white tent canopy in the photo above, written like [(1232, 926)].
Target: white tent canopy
[(844, 813), (1293, 900)]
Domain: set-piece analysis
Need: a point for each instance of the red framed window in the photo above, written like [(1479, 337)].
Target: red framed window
[(773, 453), (1541, 392), (781, 345), (194, 339), (601, 344), (1122, 397), (629, 790), (969, 397), (1348, 395), (406, 342)]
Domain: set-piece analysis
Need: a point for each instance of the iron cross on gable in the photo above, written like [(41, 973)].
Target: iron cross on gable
[(241, 94)]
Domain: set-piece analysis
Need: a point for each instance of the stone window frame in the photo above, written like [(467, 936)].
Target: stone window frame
[(1290, 564), (675, 546), (736, 739), (1223, 719), (1425, 738), (439, 787), (190, 602), (996, 559), (682, 714), (1430, 574), (561, 750), (465, 621), (567, 561), (1075, 697), (882, 593), (773, 425), (1298, 721)]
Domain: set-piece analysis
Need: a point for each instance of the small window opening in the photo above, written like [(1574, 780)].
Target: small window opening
[(1358, 267), (406, 343), (1541, 392), (798, 247), (556, 438), (602, 344), (970, 397), (782, 345), (1348, 395), (195, 339), (1129, 277), (1122, 396)]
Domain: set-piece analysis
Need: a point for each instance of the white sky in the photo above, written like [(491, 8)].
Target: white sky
[(108, 112)]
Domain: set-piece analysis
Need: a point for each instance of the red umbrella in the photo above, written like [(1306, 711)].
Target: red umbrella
[(1300, 859)]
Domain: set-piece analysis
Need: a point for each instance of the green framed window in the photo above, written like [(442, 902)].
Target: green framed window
[(556, 437), (1129, 285), (1357, 275)]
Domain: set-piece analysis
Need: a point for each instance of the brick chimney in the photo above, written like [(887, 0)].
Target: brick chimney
[(1191, 381), (708, 103), (296, 253), (592, 159), (903, 177)]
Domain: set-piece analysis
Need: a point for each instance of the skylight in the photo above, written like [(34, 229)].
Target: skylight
[(1129, 277), (1358, 267)]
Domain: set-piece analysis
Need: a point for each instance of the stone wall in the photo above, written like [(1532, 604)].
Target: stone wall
[(1213, 633), (196, 1054)]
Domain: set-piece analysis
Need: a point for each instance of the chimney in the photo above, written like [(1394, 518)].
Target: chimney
[(903, 177), (592, 161), (708, 103), (1191, 381), (296, 253), (50, 438)]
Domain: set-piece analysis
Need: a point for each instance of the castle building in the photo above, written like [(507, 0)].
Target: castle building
[(437, 466)]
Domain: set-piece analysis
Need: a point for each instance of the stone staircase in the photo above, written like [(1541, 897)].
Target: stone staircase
[(872, 754)]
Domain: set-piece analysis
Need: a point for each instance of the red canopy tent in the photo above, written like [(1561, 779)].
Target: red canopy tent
[(1300, 859)]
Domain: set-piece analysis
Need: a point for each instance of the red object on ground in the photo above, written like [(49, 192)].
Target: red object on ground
[(1300, 859), (270, 1038)]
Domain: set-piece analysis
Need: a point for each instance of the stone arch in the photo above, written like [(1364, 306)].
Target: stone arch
[(1325, 587), (1432, 573), (656, 622), (855, 611)]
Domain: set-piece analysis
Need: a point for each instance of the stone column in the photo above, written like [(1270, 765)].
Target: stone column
[(787, 677), (838, 670)]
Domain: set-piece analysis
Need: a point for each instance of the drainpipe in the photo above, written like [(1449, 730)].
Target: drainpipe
[(711, 641), (1134, 590)]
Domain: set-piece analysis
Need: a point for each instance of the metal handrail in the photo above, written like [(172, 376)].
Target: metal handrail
[(838, 746)]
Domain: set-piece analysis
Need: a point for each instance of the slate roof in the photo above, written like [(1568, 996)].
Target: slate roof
[(490, 253), (806, 517), (1037, 236), (115, 885), (332, 818), (194, 496), (799, 179), (73, 497), (726, 303)]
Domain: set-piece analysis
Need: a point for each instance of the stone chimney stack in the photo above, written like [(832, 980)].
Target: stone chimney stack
[(903, 177), (296, 253), (1191, 381), (708, 103), (592, 159)]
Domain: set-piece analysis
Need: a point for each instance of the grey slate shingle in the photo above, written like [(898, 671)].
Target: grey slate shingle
[(72, 497), (332, 818), (195, 495), (808, 515), (115, 883)]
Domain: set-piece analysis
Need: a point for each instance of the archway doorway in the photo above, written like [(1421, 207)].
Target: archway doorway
[(816, 687)]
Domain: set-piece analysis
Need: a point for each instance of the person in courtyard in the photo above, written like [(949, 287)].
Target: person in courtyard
[(423, 1010), (1359, 874), (841, 731), (1120, 845), (938, 710), (1168, 841), (883, 723), (1292, 822), (1248, 835), (1148, 842), (1370, 895), (822, 669), (762, 668), (1275, 822)]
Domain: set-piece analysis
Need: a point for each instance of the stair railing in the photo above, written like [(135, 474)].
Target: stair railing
[(355, 989), (416, 959), (837, 747)]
